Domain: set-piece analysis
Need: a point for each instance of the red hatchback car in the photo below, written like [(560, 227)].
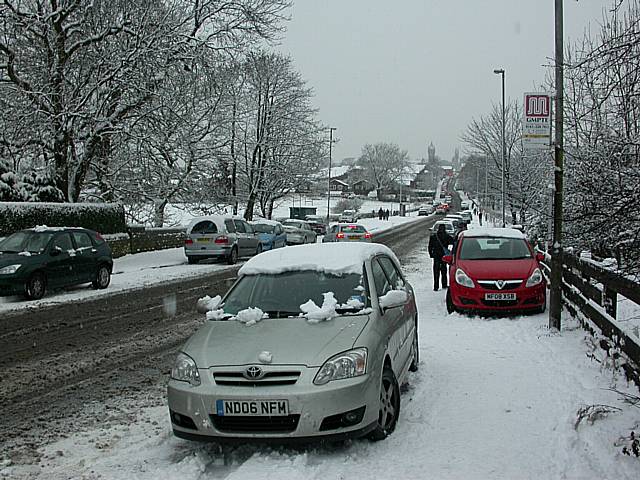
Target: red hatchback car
[(495, 270)]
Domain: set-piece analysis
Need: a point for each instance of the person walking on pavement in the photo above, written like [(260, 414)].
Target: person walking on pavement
[(438, 248), (386, 214), (480, 217), (380, 214)]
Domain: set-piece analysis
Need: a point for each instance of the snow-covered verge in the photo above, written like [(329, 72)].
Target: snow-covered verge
[(143, 269), (493, 399)]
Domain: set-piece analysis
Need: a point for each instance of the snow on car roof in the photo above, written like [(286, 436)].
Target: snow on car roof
[(332, 258), (44, 228), (266, 221), (494, 232)]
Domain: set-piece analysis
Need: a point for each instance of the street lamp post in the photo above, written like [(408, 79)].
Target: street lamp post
[(501, 72), (331, 129)]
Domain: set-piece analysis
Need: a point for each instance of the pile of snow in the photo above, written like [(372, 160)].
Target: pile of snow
[(330, 258), (250, 316), (316, 314), (393, 297)]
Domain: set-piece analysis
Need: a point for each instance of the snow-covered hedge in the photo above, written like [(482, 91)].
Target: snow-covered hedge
[(101, 217)]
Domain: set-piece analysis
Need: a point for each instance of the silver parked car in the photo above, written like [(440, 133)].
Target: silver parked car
[(299, 232), (220, 236), (310, 342), (347, 232)]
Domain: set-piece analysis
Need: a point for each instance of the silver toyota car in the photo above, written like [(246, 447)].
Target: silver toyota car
[(309, 343)]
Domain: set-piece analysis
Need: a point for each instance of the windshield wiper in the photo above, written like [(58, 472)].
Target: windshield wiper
[(350, 309), (281, 313)]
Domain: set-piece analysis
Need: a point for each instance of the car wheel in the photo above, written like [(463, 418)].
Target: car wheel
[(233, 256), (192, 260), (103, 278), (36, 286), (389, 406), (451, 308), (416, 351), (259, 249)]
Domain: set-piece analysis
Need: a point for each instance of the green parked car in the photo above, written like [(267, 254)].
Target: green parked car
[(35, 260)]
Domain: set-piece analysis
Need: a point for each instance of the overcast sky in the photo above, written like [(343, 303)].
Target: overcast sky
[(417, 71)]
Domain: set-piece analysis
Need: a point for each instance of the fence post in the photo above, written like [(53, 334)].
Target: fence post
[(610, 301)]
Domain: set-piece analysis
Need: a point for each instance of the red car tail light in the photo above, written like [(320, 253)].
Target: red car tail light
[(222, 239), (188, 241), (340, 235), (367, 235)]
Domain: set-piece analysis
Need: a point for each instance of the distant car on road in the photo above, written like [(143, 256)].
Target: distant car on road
[(448, 226), (311, 343), (348, 216), (36, 260), (299, 232), (347, 232), (442, 209), (425, 210), (318, 223), (220, 236), (270, 233), (495, 270), (467, 215)]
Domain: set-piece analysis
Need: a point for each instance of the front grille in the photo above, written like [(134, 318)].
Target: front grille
[(274, 378), (500, 303), (508, 284), (239, 424)]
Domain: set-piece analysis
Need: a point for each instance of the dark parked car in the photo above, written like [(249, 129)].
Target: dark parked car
[(317, 223), (32, 261)]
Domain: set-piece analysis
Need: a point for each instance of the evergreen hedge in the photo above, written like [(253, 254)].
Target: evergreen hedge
[(101, 217)]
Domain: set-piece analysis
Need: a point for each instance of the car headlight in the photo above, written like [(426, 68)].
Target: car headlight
[(463, 279), (535, 278), (10, 269), (185, 370), (344, 365)]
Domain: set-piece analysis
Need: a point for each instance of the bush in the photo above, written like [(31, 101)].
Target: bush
[(101, 217), (347, 204)]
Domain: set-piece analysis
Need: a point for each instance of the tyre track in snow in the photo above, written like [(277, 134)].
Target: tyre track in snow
[(58, 359)]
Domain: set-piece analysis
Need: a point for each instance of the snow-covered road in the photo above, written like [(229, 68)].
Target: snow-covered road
[(494, 399)]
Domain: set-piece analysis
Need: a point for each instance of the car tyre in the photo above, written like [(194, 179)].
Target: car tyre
[(233, 256), (451, 308), (389, 406), (259, 249), (416, 351), (103, 278), (192, 260), (36, 286)]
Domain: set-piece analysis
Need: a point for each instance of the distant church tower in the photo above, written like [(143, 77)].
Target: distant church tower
[(431, 153), (456, 159)]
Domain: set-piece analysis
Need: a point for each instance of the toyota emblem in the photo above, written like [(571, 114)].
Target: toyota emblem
[(253, 372)]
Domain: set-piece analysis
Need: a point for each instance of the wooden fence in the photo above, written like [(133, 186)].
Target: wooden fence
[(587, 286)]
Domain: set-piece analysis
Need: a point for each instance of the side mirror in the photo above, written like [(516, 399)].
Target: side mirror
[(55, 251), (448, 259), (540, 256), (392, 299)]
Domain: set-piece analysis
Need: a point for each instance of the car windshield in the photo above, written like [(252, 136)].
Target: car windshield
[(33, 242), (263, 228), (494, 249), (280, 295), (353, 229)]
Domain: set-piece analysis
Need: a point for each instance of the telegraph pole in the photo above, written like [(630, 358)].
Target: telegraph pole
[(331, 129), (555, 301)]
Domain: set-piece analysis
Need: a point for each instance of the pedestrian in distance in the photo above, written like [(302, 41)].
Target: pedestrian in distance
[(386, 214), (439, 242), (480, 217), (380, 214)]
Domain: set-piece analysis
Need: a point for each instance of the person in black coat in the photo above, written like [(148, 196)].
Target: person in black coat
[(438, 247)]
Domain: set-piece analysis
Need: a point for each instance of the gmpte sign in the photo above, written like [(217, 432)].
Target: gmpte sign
[(536, 124)]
